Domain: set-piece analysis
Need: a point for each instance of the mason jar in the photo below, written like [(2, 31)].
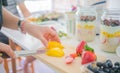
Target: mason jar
[(110, 30), (86, 23)]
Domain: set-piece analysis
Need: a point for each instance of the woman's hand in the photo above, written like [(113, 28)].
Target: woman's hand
[(43, 33), (6, 48), (48, 34)]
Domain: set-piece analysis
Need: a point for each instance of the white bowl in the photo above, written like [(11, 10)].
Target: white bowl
[(118, 51)]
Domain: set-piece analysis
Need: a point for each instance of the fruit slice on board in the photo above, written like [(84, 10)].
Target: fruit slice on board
[(88, 57)]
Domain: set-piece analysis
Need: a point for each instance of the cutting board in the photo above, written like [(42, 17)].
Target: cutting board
[(58, 63)]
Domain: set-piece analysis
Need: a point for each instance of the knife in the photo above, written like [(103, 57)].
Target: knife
[(23, 53)]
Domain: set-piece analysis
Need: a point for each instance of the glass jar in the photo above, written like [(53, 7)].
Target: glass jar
[(110, 30), (70, 20), (85, 23)]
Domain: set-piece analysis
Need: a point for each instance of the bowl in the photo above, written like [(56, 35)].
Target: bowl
[(38, 17), (118, 51), (49, 19)]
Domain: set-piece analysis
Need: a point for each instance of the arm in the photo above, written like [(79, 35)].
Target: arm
[(9, 20), (45, 34), (24, 10)]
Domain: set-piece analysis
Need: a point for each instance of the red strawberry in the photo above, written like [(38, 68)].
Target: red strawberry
[(69, 60), (80, 48), (73, 55), (88, 57)]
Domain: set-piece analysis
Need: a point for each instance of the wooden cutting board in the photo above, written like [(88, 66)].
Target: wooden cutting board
[(58, 63)]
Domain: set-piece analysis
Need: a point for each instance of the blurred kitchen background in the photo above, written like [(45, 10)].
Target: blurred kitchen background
[(58, 6), (63, 6)]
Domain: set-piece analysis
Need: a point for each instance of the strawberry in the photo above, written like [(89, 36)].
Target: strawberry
[(80, 48), (69, 60), (88, 57), (73, 55)]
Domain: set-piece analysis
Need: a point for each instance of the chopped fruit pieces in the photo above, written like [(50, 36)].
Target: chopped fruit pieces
[(87, 52), (55, 49), (73, 55), (69, 60), (54, 44), (80, 48), (56, 52), (88, 57)]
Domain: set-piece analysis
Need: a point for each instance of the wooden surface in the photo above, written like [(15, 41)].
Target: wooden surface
[(59, 64)]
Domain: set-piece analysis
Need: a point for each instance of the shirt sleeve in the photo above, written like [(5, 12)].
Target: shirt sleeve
[(19, 1)]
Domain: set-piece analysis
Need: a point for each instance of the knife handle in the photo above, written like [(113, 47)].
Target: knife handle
[(4, 55)]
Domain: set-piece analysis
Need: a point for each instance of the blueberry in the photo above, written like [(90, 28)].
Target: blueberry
[(105, 65), (100, 69), (115, 69), (99, 64), (90, 67), (101, 72), (112, 71), (117, 64), (108, 64), (109, 61), (118, 71), (118, 67), (106, 70), (95, 69)]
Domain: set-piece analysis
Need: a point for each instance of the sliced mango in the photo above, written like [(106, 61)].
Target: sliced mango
[(55, 52), (54, 44)]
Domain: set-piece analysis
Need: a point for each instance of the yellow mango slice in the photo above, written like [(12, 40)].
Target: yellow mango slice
[(54, 44), (55, 52)]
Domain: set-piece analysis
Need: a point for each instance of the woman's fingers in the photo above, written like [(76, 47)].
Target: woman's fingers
[(10, 52), (54, 36), (5, 48)]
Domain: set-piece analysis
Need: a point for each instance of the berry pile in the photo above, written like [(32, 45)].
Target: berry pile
[(87, 18), (111, 22), (105, 67)]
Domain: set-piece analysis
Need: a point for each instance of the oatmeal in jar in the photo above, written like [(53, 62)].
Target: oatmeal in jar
[(110, 35), (85, 24)]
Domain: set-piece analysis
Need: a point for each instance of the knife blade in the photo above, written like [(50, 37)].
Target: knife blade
[(28, 52), (23, 53)]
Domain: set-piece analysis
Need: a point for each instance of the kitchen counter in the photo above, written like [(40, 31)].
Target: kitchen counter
[(28, 42)]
